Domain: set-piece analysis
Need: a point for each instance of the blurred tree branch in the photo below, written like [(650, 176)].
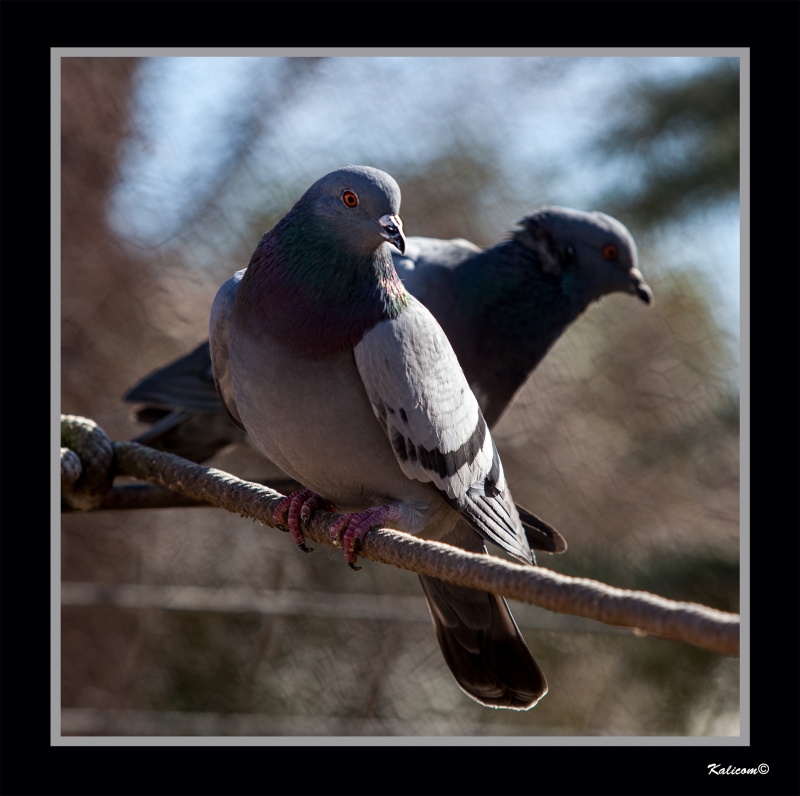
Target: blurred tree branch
[(296, 71), (683, 139)]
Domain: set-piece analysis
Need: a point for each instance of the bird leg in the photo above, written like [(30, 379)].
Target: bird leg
[(294, 513), (350, 529)]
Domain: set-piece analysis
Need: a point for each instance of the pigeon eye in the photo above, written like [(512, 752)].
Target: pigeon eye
[(610, 252), (350, 199)]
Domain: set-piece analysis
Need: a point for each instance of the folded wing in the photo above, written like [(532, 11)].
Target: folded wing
[(436, 428)]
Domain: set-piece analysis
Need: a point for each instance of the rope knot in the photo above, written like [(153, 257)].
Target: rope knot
[(87, 462)]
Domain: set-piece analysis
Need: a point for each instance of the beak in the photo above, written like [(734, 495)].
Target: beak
[(392, 230), (639, 288)]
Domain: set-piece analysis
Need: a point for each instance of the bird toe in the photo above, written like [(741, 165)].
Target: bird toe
[(350, 529), (294, 514)]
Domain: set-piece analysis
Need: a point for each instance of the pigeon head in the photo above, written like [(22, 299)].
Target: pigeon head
[(591, 253), (323, 275), (359, 207)]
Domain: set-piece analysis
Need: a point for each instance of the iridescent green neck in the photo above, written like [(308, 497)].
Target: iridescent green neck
[(305, 288)]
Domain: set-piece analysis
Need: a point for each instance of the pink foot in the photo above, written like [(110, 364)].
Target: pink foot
[(295, 511), (352, 528)]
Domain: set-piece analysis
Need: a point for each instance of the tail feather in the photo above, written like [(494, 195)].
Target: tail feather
[(541, 536), (186, 383), (196, 436), (483, 647), (160, 426)]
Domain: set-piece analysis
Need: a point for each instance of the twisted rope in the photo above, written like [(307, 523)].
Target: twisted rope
[(689, 622), (95, 466)]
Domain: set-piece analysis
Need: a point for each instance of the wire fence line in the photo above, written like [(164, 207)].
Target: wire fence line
[(109, 722), (270, 602), (100, 460)]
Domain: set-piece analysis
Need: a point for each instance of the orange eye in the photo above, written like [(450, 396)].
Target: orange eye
[(610, 251), (350, 199)]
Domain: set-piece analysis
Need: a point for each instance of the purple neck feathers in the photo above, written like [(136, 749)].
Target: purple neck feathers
[(304, 290)]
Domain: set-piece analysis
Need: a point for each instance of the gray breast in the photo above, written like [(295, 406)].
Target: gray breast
[(314, 420)]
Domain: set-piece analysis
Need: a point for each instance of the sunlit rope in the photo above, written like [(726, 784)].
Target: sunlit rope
[(86, 487)]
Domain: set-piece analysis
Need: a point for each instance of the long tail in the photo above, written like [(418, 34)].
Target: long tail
[(483, 647)]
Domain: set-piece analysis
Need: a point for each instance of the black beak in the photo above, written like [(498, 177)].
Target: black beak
[(393, 231), (645, 294), (639, 287)]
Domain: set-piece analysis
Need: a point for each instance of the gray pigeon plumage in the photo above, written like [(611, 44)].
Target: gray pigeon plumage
[(501, 308), (348, 383)]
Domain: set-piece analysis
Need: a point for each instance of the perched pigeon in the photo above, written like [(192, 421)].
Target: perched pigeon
[(502, 309), (349, 384)]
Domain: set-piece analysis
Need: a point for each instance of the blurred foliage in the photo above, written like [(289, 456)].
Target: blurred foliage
[(679, 142), (625, 438), (456, 182)]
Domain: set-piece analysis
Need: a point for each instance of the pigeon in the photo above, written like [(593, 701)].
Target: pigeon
[(502, 309), (348, 383)]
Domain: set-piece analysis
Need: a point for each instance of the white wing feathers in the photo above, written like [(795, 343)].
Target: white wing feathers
[(420, 395)]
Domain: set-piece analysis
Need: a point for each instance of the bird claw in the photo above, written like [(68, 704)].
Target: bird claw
[(286, 515), (279, 515), (293, 514), (350, 529)]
